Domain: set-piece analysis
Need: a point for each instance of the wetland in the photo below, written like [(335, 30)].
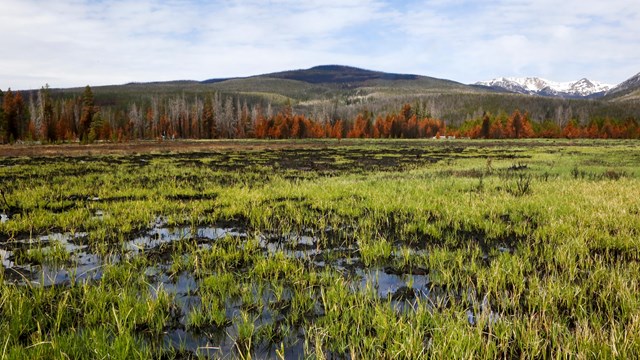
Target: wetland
[(321, 249)]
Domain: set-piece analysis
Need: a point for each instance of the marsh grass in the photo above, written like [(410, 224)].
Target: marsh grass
[(522, 250)]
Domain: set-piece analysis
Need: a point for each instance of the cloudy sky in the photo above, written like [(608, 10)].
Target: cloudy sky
[(77, 42)]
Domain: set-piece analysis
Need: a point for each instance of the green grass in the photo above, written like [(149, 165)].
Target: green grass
[(529, 249)]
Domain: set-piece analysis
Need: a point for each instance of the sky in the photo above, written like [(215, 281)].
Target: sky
[(69, 43)]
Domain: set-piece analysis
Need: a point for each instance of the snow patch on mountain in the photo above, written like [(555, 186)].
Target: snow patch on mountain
[(539, 86)]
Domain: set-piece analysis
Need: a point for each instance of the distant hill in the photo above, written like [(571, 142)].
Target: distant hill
[(338, 91), (628, 90), (338, 74), (330, 74), (318, 83), (347, 77)]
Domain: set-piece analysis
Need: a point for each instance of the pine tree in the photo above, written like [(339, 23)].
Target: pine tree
[(45, 115), (88, 110), (3, 115), (485, 130), (1, 112), (208, 121), (14, 112)]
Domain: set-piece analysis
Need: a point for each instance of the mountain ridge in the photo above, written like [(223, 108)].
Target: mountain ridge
[(338, 74), (342, 75), (582, 88), (335, 77), (631, 86), (340, 92), (321, 82)]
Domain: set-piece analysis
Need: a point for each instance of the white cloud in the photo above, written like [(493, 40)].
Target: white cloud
[(74, 42), (562, 40)]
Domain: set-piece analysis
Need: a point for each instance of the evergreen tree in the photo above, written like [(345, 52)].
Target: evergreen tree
[(45, 116), (3, 126), (14, 112), (88, 110), (207, 117), (485, 130)]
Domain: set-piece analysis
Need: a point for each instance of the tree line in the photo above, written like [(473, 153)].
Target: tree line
[(41, 117), (518, 125)]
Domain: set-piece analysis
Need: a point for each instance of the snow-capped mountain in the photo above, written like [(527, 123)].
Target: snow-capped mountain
[(538, 86)]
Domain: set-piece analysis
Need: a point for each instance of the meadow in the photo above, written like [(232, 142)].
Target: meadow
[(321, 249)]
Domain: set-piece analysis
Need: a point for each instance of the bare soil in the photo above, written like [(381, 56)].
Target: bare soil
[(181, 146)]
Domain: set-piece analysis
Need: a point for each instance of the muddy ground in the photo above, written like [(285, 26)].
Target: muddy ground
[(151, 146)]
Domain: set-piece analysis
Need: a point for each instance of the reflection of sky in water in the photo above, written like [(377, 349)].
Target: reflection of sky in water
[(387, 284), (85, 265), (4, 255), (159, 235), (183, 287)]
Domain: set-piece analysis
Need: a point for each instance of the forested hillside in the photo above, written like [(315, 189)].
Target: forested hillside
[(327, 101)]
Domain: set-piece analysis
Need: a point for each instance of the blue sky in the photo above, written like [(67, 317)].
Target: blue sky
[(77, 42)]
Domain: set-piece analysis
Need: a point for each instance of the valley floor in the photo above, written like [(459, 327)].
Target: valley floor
[(321, 248)]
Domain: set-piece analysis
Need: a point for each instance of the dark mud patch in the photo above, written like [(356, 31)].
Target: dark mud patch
[(114, 199), (613, 254), (193, 197)]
